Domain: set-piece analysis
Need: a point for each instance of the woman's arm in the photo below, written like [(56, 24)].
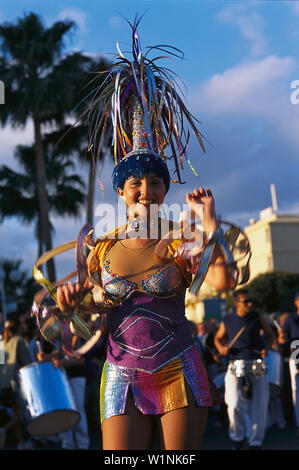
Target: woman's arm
[(44, 357), (102, 330), (70, 297), (219, 275), (67, 363), (219, 338), (202, 205)]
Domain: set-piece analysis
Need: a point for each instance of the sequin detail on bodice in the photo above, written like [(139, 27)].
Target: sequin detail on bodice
[(162, 283), (147, 331)]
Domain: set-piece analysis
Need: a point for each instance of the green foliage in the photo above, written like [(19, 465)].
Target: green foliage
[(18, 190), (274, 292), (46, 84), (42, 79), (21, 291), (38, 79)]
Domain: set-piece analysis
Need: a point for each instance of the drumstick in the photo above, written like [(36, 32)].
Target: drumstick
[(256, 351), (39, 347), (277, 324), (210, 350), (236, 337)]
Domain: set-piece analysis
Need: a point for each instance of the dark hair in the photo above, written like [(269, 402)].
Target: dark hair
[(29, 328), (137, 165), (239, 292), (14, 325)]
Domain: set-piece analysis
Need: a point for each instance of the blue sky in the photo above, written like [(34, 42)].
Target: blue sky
[(240, 60)]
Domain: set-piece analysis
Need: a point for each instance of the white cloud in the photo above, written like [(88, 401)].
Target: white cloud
[(13, 136), (10, 138), (18, 242), (115, 21), (250, 24), (294, 7), (241, 218), (258, 89), (75, 14), (234, 89), (292, 208)]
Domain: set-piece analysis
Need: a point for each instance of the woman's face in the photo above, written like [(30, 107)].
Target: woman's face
[(142, 194)]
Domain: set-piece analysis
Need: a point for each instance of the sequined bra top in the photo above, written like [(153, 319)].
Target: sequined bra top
[(165, 282), (147, 324)]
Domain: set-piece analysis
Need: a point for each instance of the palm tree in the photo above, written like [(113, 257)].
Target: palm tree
[(98, 67), (19, 190), (73, 141), (78, 135), (40, 84), (19, 291)]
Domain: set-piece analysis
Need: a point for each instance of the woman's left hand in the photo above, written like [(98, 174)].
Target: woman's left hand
[(202, 204), (57, 363), (264, 353)]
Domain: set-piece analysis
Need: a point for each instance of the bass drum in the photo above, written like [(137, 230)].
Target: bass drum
[(275, 371), (46, 399)]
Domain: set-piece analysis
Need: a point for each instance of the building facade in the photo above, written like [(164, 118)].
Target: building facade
[(274, 241)]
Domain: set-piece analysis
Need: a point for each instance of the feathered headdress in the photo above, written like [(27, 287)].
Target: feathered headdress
[(148, 116)]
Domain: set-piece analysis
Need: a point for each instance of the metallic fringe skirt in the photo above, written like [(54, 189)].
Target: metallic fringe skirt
[(158, 392)]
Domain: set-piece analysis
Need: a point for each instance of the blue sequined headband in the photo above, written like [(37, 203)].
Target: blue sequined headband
[(137, 165)]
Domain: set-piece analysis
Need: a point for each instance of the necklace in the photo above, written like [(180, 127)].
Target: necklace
[(148, 245), (141, 224)]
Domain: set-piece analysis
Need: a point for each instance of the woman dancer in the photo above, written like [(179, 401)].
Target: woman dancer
[(154, 384), (153, 374)]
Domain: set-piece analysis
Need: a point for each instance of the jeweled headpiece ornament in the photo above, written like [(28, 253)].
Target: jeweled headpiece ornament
[(147, 113)]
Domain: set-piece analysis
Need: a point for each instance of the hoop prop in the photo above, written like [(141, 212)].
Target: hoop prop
[(51, 321)]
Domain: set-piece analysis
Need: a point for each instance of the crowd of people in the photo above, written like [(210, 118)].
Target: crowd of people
[(24, 345), (233, 350), (240, 354)]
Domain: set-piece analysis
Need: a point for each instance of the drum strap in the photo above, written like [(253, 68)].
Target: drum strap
[(245, 387)]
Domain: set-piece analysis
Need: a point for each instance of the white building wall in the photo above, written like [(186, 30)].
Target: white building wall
[(274, 242)]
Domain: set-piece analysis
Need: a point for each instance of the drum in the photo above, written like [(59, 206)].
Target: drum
[(259, 367), (241, 367), (275, 370), (46, 399)]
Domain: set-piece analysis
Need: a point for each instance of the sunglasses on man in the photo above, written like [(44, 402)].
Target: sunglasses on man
[(247, 301)]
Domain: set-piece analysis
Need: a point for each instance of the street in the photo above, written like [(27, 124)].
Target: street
[(216, 438)]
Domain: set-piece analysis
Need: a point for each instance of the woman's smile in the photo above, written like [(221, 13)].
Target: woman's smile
[(146, 202), (145, 192)]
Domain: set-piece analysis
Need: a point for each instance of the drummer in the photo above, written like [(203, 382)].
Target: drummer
[(16, 356), (289, 337), (76, 438), (239, 338)]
